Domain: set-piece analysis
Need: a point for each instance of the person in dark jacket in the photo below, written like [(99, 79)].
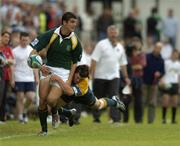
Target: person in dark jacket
[(153, 71)]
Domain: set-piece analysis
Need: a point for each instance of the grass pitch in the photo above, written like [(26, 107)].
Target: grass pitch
[(89, 134)]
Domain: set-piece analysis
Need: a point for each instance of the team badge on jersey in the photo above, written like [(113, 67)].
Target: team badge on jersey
[(68, 48)]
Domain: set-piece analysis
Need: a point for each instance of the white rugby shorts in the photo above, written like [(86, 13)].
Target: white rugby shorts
[(61, 72)]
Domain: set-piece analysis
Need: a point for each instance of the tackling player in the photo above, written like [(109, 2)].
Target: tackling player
[(80, 92)]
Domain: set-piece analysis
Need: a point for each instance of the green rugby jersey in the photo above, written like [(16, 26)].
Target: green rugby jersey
[(61, 52)]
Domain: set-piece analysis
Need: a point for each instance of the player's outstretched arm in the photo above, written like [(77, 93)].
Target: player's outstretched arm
[(68, 90)]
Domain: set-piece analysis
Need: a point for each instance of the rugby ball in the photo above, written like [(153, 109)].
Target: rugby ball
[(35, 61)]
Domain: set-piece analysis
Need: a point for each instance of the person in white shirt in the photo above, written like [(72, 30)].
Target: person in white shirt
[(107, 58), (169, 85), (170, 28), (166, 50), (25, 78)]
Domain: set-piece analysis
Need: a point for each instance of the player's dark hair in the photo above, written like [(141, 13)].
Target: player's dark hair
[(67, 16), (24, 34), (83, 71)]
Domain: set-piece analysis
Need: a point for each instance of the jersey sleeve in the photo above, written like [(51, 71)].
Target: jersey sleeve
[(41, 41), (77, 53), (77, 90)]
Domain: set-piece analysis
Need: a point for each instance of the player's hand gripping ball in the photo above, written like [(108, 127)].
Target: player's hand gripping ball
[(35, 61)]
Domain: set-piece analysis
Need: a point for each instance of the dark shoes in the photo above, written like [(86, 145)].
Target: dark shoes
[(119, 103), (71, 118)]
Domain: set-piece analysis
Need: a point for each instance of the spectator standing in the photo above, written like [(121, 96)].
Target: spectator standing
[(107, 58), (7, 70), (137, 62), (88, 28), (170, 28), (152, 26), (126, 98), (153, 71), (44, 18), (138, 24), (166, 50), (129, 24), (24, 78), (1, 83), (80, 24), (170, 86), (103, 22)]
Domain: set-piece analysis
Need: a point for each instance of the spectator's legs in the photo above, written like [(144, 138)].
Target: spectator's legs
[(3, 101), (126, 100), (20, 105), (138, 105), (165, 104), (151, 96), (113, 89), (174, 108)]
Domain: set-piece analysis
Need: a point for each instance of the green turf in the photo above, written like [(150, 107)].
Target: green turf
[(89, 134)]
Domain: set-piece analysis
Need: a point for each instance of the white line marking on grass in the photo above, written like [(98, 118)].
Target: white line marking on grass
[(23, 135), (16, 136)]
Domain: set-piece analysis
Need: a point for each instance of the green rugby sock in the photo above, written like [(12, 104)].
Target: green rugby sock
[(43, 119)]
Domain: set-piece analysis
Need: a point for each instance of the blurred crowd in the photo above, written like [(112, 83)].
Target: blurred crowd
[(153, 58)]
